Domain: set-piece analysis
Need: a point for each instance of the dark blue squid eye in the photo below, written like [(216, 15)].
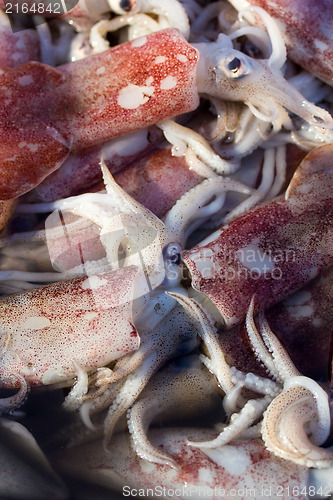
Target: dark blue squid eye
[(172, 254), (127, 5), (234, 65)]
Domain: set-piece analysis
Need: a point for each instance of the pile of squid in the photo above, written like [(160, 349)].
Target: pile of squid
[(166, 249)]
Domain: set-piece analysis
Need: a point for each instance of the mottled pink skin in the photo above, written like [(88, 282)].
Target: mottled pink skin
[(82, 170), (95, 114), (70, 246), (90, 325), (7, 209), (18, 48), (158, 180), (31, 147), (238, 352), (296, 231), (307, 31), (80, 101), (246, 466), (303, 323)]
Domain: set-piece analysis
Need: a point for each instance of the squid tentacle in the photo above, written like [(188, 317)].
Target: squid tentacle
[(239, 422), (209, 336), (74, 399), (279, 52), (182, 137), (134, 385), (9, 403), (139, 417)]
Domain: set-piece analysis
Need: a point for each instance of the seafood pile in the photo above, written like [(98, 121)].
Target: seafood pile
[(166, 249)]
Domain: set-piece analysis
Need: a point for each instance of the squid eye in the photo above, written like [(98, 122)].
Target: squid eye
[(172, 254), (234, 65), (127, 5), (124, 6)]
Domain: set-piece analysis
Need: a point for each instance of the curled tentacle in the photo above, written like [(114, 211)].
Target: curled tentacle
[(301, 403), (143, 23), (257, 343), (279, 53), (206, 16), (239, 422), (180, 390), (74, 398), (282, 362), (171, 11), (139, 418), (129, 392), (227, 121), (11, 402), (283, 429), (162, 343), (182, 138)]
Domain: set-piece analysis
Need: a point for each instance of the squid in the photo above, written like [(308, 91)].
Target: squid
[(66, 332), (304, 27), (65, 110), (227, 471), (165, 451), (295, 409), (273, 249), (82, 170)]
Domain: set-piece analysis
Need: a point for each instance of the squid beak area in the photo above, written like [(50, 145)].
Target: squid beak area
[(273, 83)]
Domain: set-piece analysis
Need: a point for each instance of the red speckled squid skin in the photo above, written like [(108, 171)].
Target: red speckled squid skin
[(246, 466), (306, 26), (303, 323), (50, 112), (82, 170), (43, 330), (275, 248), (158, 179), (17, 48)]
